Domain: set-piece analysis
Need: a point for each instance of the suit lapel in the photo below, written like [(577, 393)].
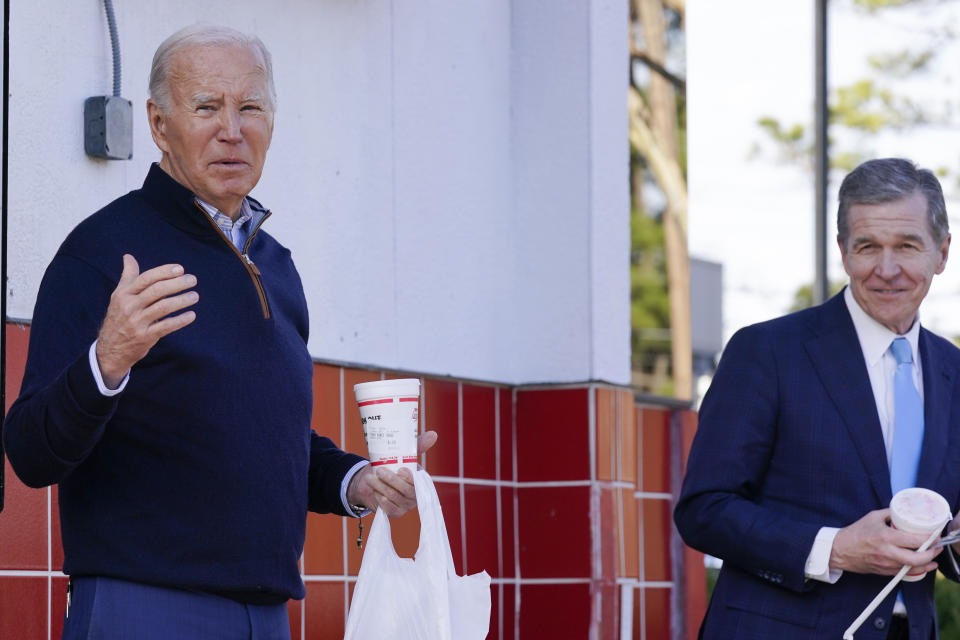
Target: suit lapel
[(937, 387), (835, 352)]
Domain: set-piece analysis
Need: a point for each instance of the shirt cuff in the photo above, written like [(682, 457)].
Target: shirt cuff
[(818, 562), (346, 483), (95, 368)]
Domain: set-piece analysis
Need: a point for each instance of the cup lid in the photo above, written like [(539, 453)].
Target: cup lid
[(387, 388), (921, 507)]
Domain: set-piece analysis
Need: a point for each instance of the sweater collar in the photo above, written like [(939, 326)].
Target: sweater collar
[(178, 205)]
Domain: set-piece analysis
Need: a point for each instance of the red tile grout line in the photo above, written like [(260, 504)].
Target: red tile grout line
[(49, 561), (303, 603), (641, 569), (542, 581), (596, 542), (343, 527), (319, 577), (615, 435), (327, 577), (592, 430), (463, 509), (621, 545), (616, 467), (596, 498), (646, 584), (530, 484), (499, 581), (516, 516), (652, 495), (626, 612), (496, 466), (422, 418), (659, 584)]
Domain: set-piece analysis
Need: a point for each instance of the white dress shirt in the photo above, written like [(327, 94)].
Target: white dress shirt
[(875, 342)]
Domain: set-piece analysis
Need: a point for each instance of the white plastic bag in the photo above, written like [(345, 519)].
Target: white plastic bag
[(421, 598)]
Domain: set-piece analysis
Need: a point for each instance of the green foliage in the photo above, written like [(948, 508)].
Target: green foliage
[(790, 135), (792, 140), (682, 131), (865, 106), (947, 597), (712, 574), (901, 64), (803, 297), (876, 5), (649, 303), (648, 278), (858, 111), (649, 299)]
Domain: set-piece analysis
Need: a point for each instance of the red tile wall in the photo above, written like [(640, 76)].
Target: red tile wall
[(441, 414), (479, 432), (533, 483), (23, 608), (555, 532), (553, 435), (24, 523), (555, 611)]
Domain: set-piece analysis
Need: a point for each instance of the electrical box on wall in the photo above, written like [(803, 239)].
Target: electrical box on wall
[(108, 127)]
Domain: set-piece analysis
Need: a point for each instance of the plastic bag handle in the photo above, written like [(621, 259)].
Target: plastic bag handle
[(432, 527), (431, 515)]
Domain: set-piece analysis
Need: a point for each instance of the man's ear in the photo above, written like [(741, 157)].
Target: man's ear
[(158, 122), (843, 254), (944, 252)]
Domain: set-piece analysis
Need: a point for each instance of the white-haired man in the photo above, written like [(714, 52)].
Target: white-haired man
[(168, 385)]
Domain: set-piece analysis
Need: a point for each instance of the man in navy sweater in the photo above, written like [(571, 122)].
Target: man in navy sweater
[(168, 386)]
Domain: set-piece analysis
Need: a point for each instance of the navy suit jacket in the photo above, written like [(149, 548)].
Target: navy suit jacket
[(789, 441)]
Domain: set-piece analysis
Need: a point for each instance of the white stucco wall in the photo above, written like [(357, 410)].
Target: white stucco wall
[(451, 177)]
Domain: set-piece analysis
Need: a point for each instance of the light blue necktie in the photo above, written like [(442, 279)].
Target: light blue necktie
[(908, 420)]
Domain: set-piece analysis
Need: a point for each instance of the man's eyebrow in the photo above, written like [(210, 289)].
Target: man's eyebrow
[(904, 237), (200, 98), (912, 237)]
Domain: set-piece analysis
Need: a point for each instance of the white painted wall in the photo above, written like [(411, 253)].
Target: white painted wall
[(451, 177)]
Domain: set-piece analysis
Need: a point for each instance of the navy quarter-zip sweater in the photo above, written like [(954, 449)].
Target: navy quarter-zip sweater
[(199, 474)]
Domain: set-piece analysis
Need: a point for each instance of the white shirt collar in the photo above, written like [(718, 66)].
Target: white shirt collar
[(875, 338), (213, 212)]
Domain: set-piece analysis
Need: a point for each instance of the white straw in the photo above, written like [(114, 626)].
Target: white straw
[(848, 634)]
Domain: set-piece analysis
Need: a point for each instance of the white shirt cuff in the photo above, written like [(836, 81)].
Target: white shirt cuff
[(95, 368), (818, 562), (346, 484)]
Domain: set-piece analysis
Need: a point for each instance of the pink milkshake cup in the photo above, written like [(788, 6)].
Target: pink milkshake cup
[(918, 510)]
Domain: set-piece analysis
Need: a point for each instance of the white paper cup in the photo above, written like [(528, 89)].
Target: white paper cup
[(918, 510), (389, 411)]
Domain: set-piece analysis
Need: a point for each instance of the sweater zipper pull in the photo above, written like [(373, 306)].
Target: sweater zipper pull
[(252, 265)]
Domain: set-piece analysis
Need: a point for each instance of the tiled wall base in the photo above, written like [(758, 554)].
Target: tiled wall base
[(562, 494)]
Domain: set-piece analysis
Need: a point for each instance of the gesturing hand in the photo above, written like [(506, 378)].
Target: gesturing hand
[(139, 315)]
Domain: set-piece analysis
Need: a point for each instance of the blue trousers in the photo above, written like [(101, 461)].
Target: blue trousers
[(110, 609)]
